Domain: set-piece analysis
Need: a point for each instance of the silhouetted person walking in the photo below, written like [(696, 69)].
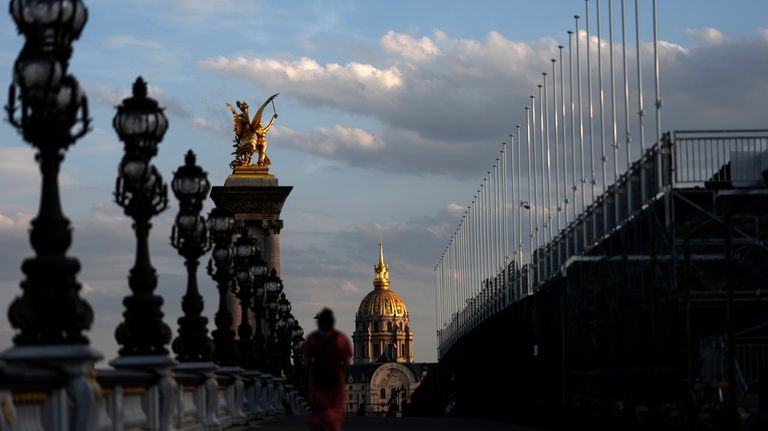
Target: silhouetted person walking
[(326, 352)]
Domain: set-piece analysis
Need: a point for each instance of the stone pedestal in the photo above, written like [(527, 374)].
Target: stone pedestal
[(253, 195)]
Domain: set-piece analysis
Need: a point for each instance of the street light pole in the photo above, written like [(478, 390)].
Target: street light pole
[(249, 268), (221, 226), (190, 237), (139, 190), (50, 310)]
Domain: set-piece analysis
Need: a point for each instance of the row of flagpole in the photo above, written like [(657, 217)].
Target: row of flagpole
[(478, 248), (506, 223)]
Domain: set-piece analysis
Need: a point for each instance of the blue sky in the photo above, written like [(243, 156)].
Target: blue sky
[(390, 113)]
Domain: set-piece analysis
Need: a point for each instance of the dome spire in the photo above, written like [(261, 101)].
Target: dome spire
[(381, 279)]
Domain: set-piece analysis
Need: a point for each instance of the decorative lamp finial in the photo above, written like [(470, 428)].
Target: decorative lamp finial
[(140, 87)]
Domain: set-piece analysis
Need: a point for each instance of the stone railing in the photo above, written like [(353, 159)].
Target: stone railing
[(40, 398)]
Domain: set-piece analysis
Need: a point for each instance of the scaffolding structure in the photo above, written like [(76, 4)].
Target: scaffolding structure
[(654, 296)]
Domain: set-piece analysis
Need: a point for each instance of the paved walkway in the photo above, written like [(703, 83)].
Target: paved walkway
[(371, 423)]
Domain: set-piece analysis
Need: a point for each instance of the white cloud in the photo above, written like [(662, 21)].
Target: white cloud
[(86, 288), (456, 209), (328, 142), (6, 222), (20, 173), (447, 102), (349, 287), (409, 47), (708, 35), (306, 74), (763, 34)]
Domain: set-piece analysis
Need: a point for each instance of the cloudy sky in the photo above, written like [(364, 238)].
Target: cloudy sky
[(390, 113)]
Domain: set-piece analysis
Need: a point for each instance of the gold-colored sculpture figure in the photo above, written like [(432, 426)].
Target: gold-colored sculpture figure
[(251, 137)]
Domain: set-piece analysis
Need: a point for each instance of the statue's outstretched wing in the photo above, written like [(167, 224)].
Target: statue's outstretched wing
[(238, 118), (257, 117)]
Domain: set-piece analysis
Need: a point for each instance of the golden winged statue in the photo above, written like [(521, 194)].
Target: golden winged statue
[(251, 136)]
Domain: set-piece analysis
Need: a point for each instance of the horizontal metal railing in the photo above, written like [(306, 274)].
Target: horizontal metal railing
[(720, 158), (687, 159)]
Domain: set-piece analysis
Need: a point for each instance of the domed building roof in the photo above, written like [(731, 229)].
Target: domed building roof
[(382, 302)]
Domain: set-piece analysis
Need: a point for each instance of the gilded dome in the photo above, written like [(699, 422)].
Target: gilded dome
[(382, 303)]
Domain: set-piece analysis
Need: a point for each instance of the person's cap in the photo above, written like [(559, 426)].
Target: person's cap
[(325, 313)]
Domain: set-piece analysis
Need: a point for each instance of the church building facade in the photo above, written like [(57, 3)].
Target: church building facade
[(383, 369)]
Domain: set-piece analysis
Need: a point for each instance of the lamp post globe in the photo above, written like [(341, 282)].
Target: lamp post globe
[(140, 122), (55, 23)]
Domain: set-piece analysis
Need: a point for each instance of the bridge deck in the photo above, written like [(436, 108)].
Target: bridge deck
[(371, 423)]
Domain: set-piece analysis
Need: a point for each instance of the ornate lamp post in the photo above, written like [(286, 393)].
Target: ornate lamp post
[(221, 225), (259, 342), (248, 269), (50, 315), (139, 190), (284, 328), (273, 286), (297, 339), (50, 310), (190, 237)]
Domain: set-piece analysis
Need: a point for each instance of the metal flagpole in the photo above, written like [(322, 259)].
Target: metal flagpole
[(486, 223), (507, 230), (640, 112), (440, 294), (459, 274), (555, 111), (565, 145), (615, 132), (544, 210), (542, 160), (581, 128), (465, 267), (475, 246), (513, 178), (532, 173), (499, 211), (627, 130), (531, 206), (545, 110), (515, 196), (442, 291), (573, 134), (519, 244), (451, 283), (505, 182), (462, 270), (495, 231), (489, 226), (495, 214), (502, 200), (447, 293), (491, 223), (504, 221), (603, 159), (481, 201), (591, 111), (659, 177)]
